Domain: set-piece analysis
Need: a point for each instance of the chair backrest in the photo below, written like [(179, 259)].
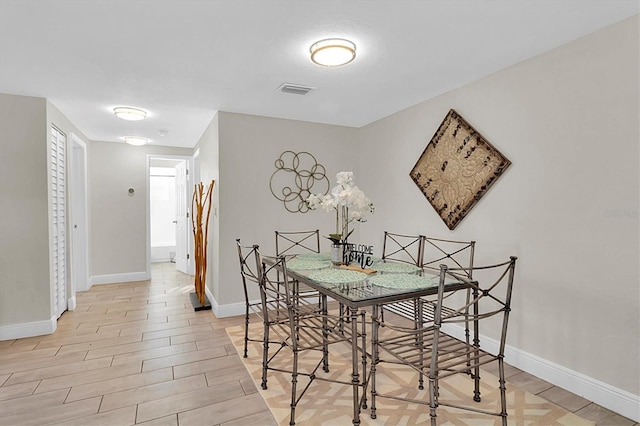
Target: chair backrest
[(297, 242), (274, 281), (277, 292), (490, 289), (249, 267), (403, 248), (452, 253)]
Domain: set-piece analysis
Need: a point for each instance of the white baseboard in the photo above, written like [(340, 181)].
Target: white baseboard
[(71, 303), (29, 329), (617, 400), (119, 278), (223, 311)]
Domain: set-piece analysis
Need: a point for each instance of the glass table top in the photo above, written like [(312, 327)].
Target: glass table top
[(360, 289)]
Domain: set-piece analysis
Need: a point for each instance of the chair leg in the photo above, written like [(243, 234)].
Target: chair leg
[(325, 335), (433, 376), (476, 390), (433, 399), (375, 358), (364, 354), (294, 383), (246, 331), (265, 356), (476, 345), (503, 392), (417, 315)]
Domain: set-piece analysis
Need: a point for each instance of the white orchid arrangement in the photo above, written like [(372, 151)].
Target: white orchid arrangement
[(349, 203)]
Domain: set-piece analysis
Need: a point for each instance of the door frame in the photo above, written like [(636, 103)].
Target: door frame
[(189, 161), (78, 223)]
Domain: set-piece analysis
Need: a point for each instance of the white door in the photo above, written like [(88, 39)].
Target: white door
[(79, 258), (182, 218), (58, 212)]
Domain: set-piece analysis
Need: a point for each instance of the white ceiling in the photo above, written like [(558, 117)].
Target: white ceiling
[(183, 60)]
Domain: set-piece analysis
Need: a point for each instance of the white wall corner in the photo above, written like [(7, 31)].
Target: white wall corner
[(119, 278), (617, 400), (29, 329)]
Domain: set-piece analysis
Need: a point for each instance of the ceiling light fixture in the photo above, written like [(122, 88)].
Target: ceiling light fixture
[(136, 140), (130, 114), (332, 52)]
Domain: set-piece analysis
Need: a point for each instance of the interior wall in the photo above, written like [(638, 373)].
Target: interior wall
[(208, 169), (567, 207), (24, 220), (249, 147), (118, 230)]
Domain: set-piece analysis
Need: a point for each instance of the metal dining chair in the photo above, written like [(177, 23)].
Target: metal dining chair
[(433, 351), (434, 253), (249, 272), (403, 248), (289, 243), (452, 253), (427, 253), (308, 327), (250, 276), (296, 242), (407, 249)]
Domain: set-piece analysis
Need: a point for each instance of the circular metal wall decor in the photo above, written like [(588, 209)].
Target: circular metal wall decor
[(297, 173)]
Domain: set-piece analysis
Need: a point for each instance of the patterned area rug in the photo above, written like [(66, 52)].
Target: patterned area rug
[(329, 404)]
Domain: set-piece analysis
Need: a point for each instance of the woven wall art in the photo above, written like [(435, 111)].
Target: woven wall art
[(457, 168)]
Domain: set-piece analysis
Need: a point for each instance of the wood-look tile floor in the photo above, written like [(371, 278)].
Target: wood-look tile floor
[(131, 353), (137, 353)]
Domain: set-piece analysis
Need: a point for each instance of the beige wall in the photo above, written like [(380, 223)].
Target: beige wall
[(117, 220), (207, 169), (568, 205), (24, 219), (248, 148), (25, 264)]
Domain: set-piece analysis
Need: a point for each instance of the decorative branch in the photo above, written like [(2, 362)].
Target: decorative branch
[(199, 202)]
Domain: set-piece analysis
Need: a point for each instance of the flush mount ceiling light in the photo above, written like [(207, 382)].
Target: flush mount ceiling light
[(332, 52), (131, 114), (136, 140)]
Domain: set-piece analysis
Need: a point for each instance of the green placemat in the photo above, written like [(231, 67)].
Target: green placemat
[(408, 281), (305, 265), (395, 267), (337, 276), (314, 256)]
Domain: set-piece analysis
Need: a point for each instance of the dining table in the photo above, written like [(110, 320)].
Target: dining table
[(358, 290)]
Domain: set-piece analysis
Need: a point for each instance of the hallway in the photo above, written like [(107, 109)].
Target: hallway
[(131, 353)]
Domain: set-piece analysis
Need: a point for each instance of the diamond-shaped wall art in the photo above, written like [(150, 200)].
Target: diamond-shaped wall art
[(457, 168)]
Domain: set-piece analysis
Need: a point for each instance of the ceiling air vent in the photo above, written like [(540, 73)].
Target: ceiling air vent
[(295, 89)]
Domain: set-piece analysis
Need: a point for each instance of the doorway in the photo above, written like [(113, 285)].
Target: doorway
[(168, 205), (78, 220)]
